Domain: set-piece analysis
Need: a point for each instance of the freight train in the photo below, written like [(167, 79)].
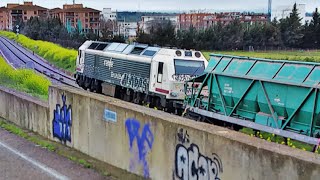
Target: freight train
[(279, 97), (138, 73)]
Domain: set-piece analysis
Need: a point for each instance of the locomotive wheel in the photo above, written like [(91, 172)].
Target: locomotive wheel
[(92, 86), (87, 82), (98, 87), (158, 104)]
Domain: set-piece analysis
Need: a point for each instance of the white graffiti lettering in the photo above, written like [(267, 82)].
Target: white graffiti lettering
[(116, 75), (183, 77), (108, 63), (191, 164), (134, 82)]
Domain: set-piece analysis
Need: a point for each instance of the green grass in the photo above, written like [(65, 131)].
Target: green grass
[(309, 56), (61, 57), (42, 143), (24, 80), (279, 140), (17, 131)]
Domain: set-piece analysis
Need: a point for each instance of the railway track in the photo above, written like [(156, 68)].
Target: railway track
[(40, 66)]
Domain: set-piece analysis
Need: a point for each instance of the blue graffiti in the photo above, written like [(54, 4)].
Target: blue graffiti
[(62, 121), (144, 141)]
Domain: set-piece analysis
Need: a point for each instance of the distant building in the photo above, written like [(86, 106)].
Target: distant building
[(107, 14), (147, 21), (18, 13), (77, 17), (4, 18), (127, 24), (206, 20), (196, 20), (127, 29), (282, 12)]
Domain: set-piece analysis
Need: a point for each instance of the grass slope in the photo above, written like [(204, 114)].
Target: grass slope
[(61, 57), (24, 80)]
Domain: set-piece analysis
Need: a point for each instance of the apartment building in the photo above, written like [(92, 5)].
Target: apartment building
[(4, 18), (23, 12), (77, 17), (196, 20), (205, 20), (127, 29), (108, 14)]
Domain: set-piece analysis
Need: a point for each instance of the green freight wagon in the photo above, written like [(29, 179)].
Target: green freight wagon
[(275, 96)]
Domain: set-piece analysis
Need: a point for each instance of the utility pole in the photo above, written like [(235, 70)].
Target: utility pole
[(269, 9)]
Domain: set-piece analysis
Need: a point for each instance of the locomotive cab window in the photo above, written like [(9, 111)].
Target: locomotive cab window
[(160, 72)]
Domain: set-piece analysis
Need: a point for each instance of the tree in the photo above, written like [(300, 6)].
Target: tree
[(312, 32), (291, 29), (186, 38), (232, 35), (143, 37), (107, 28)]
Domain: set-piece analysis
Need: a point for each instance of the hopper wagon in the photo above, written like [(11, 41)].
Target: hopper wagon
[(275, 96)]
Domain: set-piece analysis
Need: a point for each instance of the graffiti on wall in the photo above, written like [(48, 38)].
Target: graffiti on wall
[(134, 82), (62, 121), (143, 137), (191, 164)]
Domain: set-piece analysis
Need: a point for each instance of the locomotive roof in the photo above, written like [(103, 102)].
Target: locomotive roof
[(137, 49)]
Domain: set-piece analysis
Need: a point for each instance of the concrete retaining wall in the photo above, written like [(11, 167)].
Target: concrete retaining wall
[(24, 111), (161, 146)]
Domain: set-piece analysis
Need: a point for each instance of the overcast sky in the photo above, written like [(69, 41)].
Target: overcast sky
[(172, 5)]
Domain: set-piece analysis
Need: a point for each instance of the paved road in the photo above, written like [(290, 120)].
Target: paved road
[(18, 56), (20, 159)]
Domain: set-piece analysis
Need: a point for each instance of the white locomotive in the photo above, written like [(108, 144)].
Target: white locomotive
[(138, 73)]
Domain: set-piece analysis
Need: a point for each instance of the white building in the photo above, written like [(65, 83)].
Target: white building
[(127, 29), (147, 21), (282, 12), (108, 14)]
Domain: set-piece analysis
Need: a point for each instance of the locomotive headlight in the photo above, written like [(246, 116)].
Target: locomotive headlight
[(174, 94)]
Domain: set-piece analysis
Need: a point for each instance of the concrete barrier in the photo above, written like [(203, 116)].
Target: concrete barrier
[(25, 111), (158, 145)]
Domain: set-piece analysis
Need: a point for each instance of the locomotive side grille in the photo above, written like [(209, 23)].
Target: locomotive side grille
[(120, 72), (89, 62)]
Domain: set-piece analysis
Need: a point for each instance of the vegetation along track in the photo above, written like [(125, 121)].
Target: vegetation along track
[(55, 74)]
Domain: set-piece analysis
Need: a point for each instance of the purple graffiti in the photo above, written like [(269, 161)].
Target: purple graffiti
[(144, 141), (62, 121)]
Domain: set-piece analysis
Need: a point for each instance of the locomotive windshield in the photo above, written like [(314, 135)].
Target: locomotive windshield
[(187, 69)]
